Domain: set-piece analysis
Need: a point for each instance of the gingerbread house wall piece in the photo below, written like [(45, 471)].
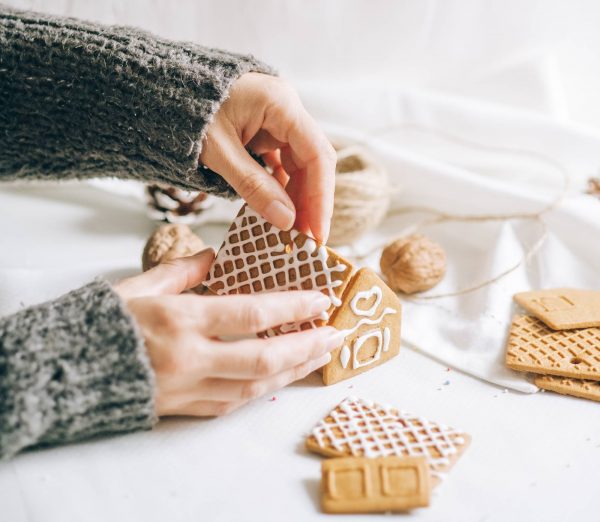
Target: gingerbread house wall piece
[(259, 257), (371, 317), (563, 308)]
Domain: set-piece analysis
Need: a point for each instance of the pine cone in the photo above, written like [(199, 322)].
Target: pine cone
[(175, 205), (594, 187)]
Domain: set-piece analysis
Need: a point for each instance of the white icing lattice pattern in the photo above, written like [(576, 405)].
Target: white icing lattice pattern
[(254, 259), (359, 427)]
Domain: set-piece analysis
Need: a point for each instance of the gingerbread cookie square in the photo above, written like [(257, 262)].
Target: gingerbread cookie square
[(259, 257), (563, 308), (533, 347), (370, 314), (361, 428), (568, 386), (363, 485)]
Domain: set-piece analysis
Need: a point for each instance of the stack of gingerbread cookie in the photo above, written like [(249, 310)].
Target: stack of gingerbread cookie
[(559, 342), (383, 459)]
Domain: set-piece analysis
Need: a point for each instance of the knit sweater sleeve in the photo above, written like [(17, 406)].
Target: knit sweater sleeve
[(72, 368), (81, 100)]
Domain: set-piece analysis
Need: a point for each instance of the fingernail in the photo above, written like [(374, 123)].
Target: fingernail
[(319, 305), (334, 339), (279, 215), (326, 227), (326, 359)]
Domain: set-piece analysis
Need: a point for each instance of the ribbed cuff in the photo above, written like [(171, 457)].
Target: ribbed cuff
[(72, 368)]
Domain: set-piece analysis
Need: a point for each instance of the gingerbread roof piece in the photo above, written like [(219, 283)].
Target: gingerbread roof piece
[(361, 428), (259, 257), (533, 347), (569, 386), (563, 308)]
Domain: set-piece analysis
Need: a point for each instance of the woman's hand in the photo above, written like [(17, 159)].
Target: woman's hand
[(265, 114), (197, 374)]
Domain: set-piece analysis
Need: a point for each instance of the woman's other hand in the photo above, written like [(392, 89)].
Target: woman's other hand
[(198, 374), (266, 115)]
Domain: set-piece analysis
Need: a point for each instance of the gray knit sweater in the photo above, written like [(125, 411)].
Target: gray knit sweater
[(79, 100)]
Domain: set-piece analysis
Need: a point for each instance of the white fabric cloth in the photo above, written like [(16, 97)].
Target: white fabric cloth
[(493, 170)]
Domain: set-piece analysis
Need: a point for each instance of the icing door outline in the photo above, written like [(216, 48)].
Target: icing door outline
[(358, 344)]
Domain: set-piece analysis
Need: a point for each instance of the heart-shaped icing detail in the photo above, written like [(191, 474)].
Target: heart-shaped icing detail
[(366, 296)]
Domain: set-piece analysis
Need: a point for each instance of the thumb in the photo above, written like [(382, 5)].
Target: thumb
[(170, 277), (224, 153)]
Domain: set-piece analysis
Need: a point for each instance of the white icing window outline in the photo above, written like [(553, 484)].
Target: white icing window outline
[(358, 344)]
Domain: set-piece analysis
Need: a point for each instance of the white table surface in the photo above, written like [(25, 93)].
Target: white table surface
[(533, 457)]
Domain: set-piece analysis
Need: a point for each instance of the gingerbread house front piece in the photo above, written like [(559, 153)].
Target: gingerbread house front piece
[(258, 257), (370, 317)]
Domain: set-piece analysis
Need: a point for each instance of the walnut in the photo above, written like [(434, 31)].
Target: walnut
[(170, 242), (413, 264)]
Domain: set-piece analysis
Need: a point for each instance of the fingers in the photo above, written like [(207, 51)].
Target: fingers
[(245, 390), (315, 160), (203, 408), (263, 142), (266, 114), (218, 397), (171, 277), (250, 314), (224, 153), (295, 189), (264, 358), (273, 160)]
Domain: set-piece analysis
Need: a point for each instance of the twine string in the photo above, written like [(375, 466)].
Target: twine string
[(444, 217)]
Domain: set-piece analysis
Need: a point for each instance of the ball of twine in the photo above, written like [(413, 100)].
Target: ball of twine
[(362, 195)]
